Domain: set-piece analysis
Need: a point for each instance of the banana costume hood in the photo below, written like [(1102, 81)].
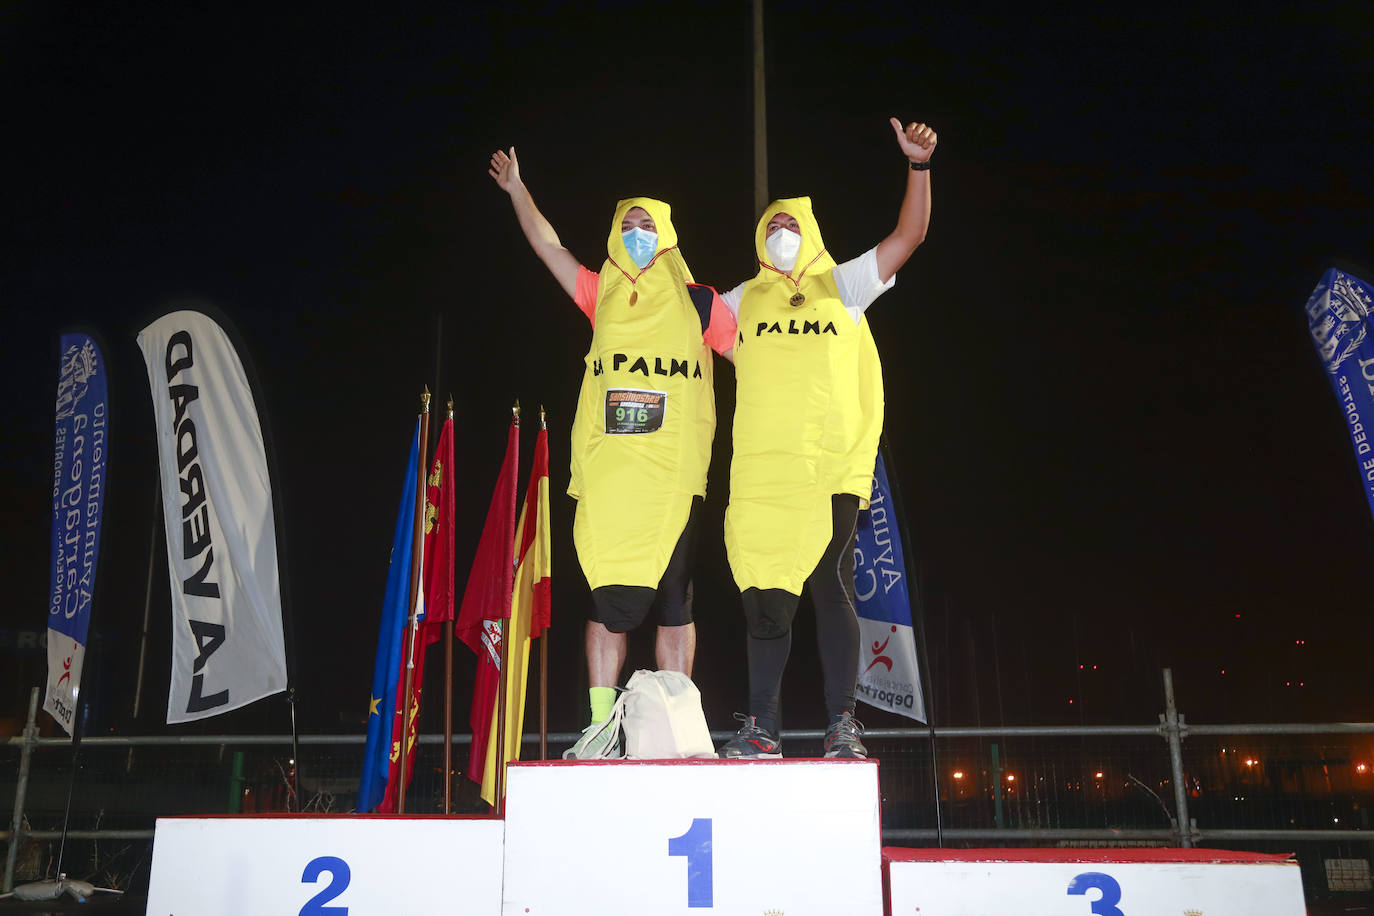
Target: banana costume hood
[(641, 440), (808, 413)]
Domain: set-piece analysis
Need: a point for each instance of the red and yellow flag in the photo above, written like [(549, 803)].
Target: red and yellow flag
[(528, 618), (437, 604), (487, 599)]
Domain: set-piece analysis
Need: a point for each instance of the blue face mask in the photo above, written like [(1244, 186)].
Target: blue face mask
[(641, 244)]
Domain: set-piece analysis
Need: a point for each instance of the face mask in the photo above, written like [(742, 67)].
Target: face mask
[(782, 247), (641, 244)]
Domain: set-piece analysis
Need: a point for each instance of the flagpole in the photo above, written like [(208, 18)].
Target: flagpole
[(760, 115), (448, 686), (500, 781), (415, 562), (543, 658), (918, 622)]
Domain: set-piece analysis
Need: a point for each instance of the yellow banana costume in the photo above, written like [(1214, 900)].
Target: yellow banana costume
[(641, 440), (808, 412)]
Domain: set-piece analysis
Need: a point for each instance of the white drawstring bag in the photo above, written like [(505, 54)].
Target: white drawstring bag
[(662, 717)]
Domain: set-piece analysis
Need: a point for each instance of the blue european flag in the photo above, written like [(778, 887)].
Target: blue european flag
[(395, 612)]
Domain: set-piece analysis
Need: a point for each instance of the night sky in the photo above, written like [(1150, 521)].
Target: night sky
[(1116, 444)]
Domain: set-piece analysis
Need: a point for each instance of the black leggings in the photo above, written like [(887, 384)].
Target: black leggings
[(770, 611)]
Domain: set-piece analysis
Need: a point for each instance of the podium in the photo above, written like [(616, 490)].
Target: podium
[(325, 865), (1091, 882), (693, 836), (677, 838)]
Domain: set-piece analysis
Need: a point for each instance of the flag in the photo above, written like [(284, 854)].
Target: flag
[(487, 598), (395, 611), (1338, 318), (78, 496), (889, 671), (437, 592), (529, 613), (227, 643)]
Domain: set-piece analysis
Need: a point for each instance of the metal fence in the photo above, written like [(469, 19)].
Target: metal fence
[(1266, 787)]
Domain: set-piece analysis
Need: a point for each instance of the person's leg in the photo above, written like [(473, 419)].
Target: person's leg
[(837, 628), (616, 609), (768, 614), (676, 647), (837, 620), (767, 661), (605, 655), (675, 643)]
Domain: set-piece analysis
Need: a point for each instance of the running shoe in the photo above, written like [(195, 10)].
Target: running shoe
[(751, 741), (842, 737), (599, 741)]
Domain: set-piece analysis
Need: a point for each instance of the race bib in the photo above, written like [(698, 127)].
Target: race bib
[(630, 411)]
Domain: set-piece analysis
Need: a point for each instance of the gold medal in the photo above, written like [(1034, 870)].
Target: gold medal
[(797, 299), (634, 296)]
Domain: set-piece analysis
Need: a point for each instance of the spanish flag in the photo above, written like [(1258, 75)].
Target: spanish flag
[(529, 612)]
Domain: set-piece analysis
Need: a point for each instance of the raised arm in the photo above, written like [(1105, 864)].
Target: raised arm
[(505, 170), (918, 144)]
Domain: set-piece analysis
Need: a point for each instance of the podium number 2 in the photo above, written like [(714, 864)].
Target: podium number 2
[(339, 875), (1111, 892), (695, 844)]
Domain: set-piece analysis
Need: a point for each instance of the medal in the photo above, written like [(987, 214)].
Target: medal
[(634, 296), (797, 299)]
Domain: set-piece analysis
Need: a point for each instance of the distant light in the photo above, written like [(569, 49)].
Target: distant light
[(1335, 820), (1094, 667), (1080, 667), (1238, 617), (1098, 774), (1070, 701), (958, 774), (1360, 768), (1223, 670), (1011, 777), (1250, 761), (1302, 683)]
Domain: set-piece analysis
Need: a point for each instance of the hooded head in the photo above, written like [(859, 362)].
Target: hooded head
[(663, 278), (812, 258), (650, 213)]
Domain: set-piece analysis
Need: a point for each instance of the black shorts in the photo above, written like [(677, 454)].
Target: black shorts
[(621, 608)]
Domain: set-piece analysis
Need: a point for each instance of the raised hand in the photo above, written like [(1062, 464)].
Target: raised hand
[(917, 140), (505, 170)]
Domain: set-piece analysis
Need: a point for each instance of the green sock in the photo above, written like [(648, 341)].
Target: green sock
[(603, 700)]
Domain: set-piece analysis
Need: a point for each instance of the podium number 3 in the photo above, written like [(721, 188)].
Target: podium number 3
[(1111, 892), (695, 844), (339, 875)]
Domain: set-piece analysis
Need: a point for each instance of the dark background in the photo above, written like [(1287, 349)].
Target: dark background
[(1117, 447)]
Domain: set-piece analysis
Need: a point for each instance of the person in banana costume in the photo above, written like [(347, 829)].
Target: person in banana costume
[(808, 414), (641, 439)]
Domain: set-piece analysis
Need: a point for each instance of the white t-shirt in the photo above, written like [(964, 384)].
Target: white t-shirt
[(857, 281)]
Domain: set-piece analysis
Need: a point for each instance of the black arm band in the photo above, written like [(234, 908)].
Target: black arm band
[(919, 166)]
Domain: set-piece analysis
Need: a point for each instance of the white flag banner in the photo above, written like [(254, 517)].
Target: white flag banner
[(227, 644)]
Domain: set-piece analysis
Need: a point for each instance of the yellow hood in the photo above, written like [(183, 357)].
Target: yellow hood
[(662, 215), (812, 259)]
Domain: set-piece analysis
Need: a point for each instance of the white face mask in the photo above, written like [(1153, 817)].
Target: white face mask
[(782, 247)]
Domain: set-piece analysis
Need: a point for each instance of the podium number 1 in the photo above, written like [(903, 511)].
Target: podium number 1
[(695, 844)]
